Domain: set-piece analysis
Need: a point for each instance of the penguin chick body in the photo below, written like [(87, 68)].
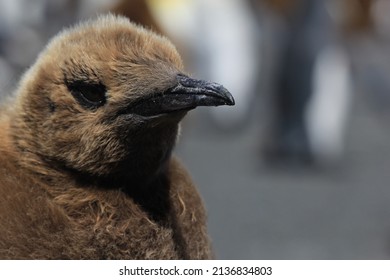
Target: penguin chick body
[(86, 165)]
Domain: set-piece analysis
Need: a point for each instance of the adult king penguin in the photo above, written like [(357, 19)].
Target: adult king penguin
[(86, 170)]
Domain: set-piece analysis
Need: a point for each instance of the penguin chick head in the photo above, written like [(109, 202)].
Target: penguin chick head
[(105, 98)]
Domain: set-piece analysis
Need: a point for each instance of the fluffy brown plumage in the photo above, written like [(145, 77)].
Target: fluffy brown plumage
[(86, 170)]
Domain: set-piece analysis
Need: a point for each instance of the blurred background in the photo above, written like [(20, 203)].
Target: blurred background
[(300, 167)]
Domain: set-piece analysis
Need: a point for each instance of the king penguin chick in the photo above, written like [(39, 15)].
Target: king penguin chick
[(86, 170)]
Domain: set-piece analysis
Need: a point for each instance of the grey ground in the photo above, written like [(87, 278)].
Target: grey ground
[(259, 212)]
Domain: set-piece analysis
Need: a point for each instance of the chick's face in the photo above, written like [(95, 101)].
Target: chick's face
[(106, 98)]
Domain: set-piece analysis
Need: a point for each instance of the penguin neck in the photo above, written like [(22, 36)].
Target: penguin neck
[(148, 157), (54, 173)]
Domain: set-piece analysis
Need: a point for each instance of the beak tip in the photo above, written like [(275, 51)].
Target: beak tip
[(231, 102), (229, 97)]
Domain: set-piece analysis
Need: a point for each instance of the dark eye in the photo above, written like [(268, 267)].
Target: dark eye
[(89, 95)]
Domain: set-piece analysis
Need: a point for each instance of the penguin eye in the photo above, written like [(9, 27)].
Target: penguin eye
[(89, 95)]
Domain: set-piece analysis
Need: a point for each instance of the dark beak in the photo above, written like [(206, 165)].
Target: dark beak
[(186, 95), (201, 93)]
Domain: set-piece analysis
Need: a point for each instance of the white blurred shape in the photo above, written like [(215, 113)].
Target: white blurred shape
[(232, 53), (177, 17), (328, 108)]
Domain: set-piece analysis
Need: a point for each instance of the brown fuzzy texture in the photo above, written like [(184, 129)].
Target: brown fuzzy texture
[(79, 183)]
